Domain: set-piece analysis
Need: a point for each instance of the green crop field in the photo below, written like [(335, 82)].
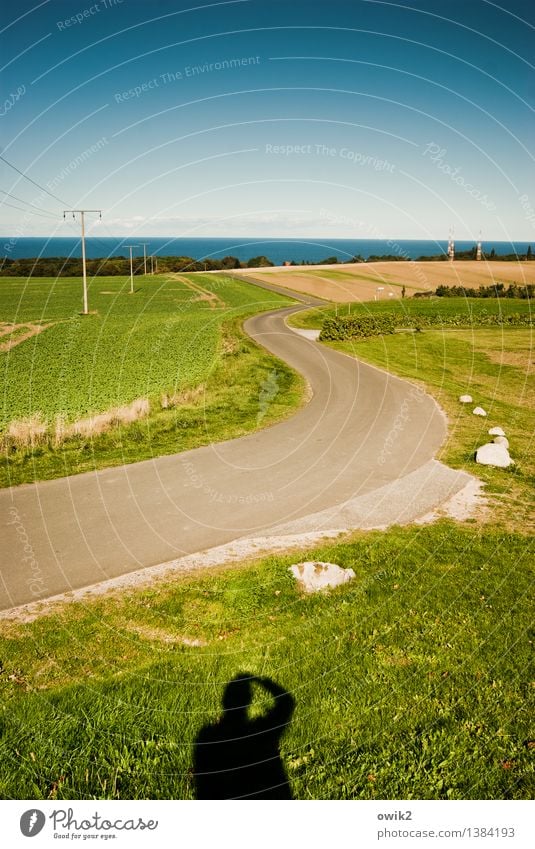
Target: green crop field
[(174, 334), (161, 338)]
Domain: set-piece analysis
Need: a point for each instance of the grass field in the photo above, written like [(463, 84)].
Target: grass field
[(412, 681), (175, 334), (164, 337), (360, 281)]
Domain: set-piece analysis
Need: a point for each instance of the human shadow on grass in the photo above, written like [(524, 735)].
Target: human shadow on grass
[(239, 757)]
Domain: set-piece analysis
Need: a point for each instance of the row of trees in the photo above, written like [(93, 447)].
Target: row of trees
[(118, 265), (498, 290), (472, 254)]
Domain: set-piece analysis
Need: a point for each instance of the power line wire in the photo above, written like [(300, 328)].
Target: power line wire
[(41, 214), (33, 181), (38, 208)]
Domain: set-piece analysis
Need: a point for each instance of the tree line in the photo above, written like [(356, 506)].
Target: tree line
[(120, 265)]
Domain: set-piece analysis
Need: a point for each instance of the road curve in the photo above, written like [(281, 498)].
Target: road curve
[(362, 429)]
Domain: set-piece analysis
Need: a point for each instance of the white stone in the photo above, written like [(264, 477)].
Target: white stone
[(496, 431), (315, 575), (479, 411), (465, 399), (501, 440), (492, 454)]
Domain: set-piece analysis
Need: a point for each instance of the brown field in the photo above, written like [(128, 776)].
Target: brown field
[(360, 282)]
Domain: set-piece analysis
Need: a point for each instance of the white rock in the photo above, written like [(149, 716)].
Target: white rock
[(496, 431), (465, 399), (479, 411), (315, 575), (492, 454), (501, 440)]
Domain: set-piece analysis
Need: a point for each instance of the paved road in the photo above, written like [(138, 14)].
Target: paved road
[(361, 430)]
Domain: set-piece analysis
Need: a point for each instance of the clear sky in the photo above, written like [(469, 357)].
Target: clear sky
[(341, 118)]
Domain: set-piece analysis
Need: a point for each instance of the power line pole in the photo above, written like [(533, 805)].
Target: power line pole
[(131, 268), (144, 256), (82, 213), (152, 265)]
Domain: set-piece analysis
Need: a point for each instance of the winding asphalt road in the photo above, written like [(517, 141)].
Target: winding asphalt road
[(361, 430)]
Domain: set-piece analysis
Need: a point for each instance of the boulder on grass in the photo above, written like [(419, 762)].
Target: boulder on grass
[(496, 431), (501, 440), (493, 454), (315, 575), (465, 399), (479, 411)]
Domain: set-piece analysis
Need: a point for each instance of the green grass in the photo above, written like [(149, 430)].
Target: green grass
[(160, 339), (492, 364), (414, 307), (412, 681), (494, 367)]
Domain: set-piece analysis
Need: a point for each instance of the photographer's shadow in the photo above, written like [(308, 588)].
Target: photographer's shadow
[(239, 757)]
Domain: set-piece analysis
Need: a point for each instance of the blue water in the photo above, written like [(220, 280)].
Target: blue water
[(277, 250)]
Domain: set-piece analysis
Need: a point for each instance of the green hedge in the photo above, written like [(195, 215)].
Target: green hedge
[(362, 326)]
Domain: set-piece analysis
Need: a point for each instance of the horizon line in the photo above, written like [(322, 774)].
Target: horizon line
[(312, 239)]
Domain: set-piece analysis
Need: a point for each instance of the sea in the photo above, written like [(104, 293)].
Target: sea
[(278, 250)]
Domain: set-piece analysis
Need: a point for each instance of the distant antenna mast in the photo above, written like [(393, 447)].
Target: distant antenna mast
[(451, 245), (478, 248)]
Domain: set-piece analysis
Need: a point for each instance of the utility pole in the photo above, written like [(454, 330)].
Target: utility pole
[(152, 265), (131, 268), (144, 256), (82, 213)]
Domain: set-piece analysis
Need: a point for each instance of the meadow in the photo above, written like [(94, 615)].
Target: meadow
[(413, 681), (492, 364), (175, 348)]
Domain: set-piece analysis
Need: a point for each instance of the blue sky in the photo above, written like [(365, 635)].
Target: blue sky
[(270, 117)]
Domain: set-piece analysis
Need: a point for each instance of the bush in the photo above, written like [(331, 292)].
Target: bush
[(360, 327)]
